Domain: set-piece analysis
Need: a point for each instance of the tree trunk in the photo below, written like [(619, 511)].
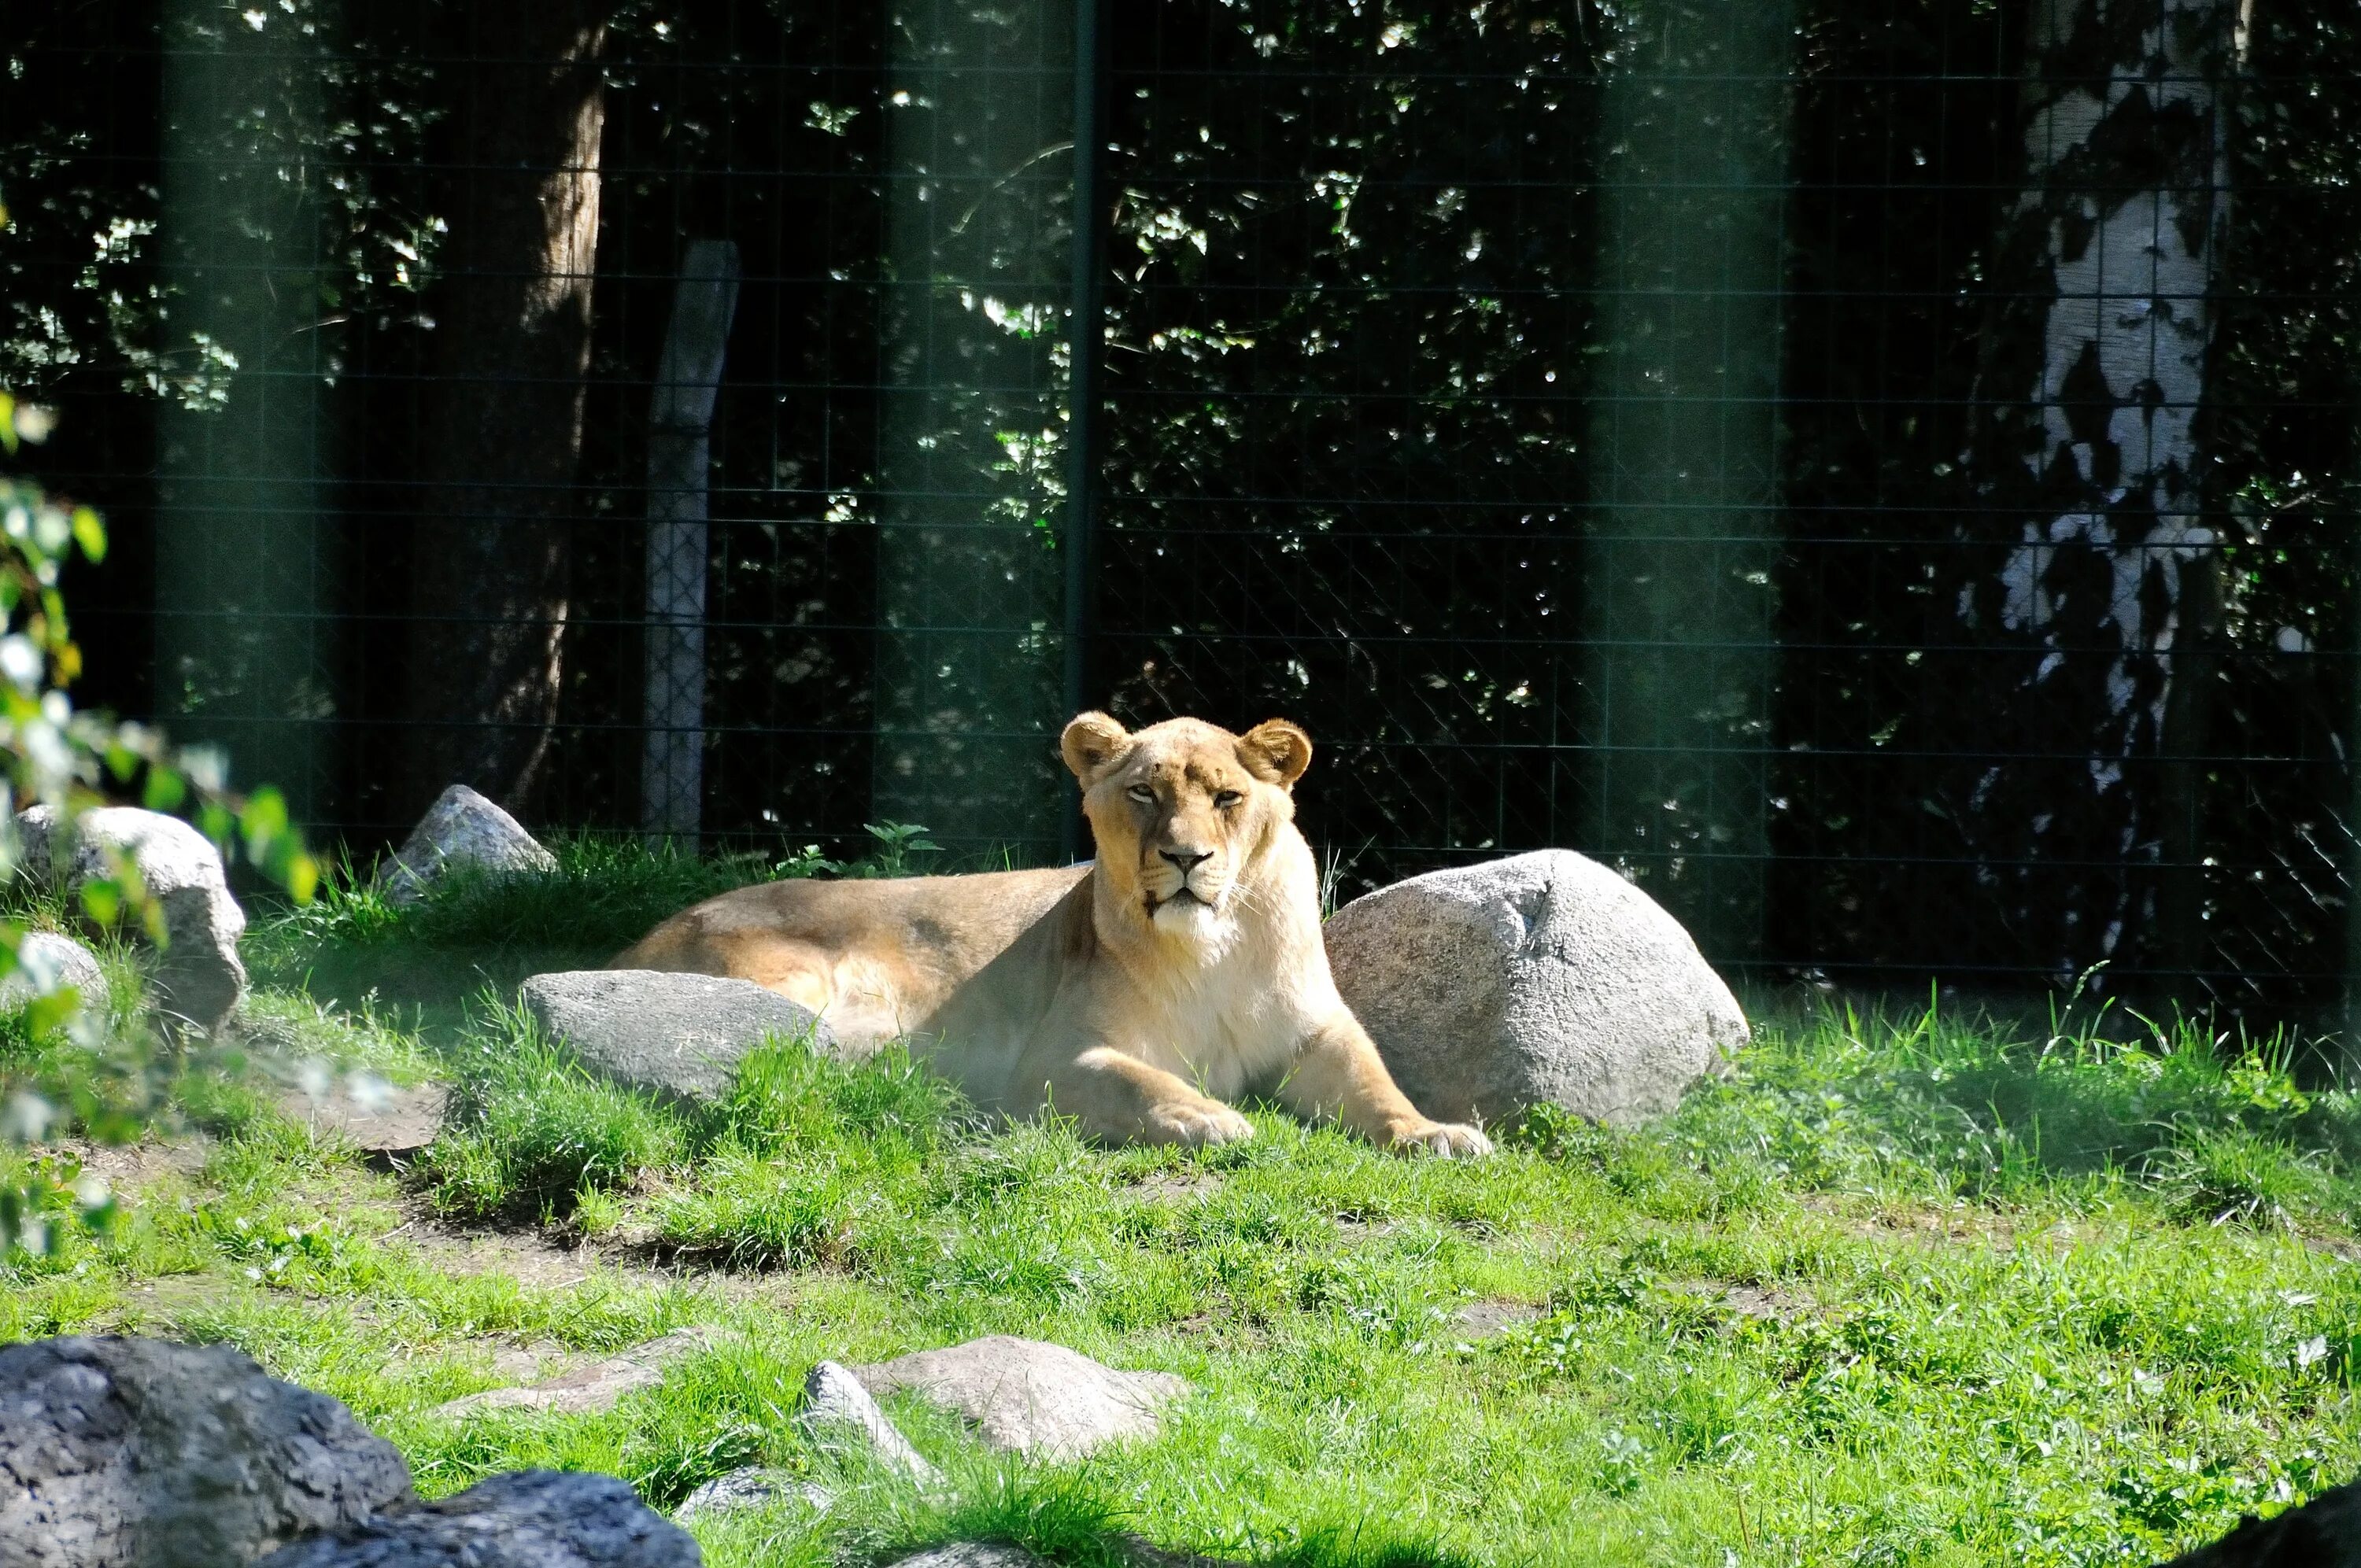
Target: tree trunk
[(504, 432), (680, 423), (2093, 386)]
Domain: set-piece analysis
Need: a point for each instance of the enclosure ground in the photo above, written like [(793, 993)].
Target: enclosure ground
[(1901, 1290)]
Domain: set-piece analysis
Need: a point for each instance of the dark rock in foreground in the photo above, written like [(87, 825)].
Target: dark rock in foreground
[(2323, 1533), (141, 1452), (528, 1518)]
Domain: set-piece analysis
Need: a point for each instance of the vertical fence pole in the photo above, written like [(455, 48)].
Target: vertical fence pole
[(1684, 447), (243, 649), (1086, 341), (680, 418)]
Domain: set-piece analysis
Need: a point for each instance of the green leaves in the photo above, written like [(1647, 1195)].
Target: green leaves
[(70, 761)]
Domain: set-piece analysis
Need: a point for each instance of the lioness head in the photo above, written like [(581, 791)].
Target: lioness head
[(1182, 810)]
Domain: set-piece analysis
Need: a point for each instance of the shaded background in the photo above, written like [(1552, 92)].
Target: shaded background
[(1715, 437)]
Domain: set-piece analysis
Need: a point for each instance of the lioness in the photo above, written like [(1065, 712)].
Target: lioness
[(1135, 994)]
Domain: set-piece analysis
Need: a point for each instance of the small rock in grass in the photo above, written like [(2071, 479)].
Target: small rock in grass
[(527, 1518), (123, 1452), (1030, 1397), (743, 1491), (461, 829), (199, 977), (1538, 977), (836, 1406), (677, 1035), (47, 963), (589, 1388), (972, 1554)]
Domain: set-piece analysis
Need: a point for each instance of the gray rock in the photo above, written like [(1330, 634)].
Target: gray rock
[(743, 1491), (198, 978), (678, 1034), (588, 1389), (972, 1554), (1030, 1397), (527, 1518), (1540, 977), (144, 1453), (47, 963), (461, 829), (838, 1408)]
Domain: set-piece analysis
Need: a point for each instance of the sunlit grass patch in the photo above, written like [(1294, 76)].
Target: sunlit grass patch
[(527, 1127), (1907, 1287)]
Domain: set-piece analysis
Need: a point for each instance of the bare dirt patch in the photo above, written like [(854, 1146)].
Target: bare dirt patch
[(1482, 1319), (546, 1261), (1930, 1227), (128, 1167), (1763, 1303), (390, 1126), (1177, 1185)]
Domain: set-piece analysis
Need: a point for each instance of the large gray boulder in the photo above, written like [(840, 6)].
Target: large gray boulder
[(1029, 1397), (527, 1518), (147, 1454), (47, 963), (200, 978), (461, 829), (1540, 977), (677, 1035)]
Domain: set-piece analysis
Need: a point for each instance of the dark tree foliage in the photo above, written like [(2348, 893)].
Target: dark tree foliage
[(1347, 323), (1355, 354)]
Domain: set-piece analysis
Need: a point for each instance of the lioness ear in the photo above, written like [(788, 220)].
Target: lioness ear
[(1092, 743), (1275, 751)]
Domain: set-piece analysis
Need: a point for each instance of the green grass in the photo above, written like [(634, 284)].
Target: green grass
[(1903, 1289)]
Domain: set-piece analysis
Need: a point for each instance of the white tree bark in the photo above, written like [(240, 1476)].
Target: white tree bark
[(2123, 213)]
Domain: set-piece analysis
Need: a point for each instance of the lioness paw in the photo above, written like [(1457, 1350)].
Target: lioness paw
[(1451, 1140), (1198, 1126)]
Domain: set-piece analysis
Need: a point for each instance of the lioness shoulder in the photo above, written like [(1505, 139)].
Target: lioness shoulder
[(1182, 969)]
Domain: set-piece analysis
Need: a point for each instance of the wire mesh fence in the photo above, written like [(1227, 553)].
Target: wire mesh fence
[(1876, 470)]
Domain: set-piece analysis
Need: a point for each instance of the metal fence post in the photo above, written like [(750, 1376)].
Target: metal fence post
[(680, 415), (1085, 343)]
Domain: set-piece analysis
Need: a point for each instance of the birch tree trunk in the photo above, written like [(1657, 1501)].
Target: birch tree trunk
[(504, 431), (2093, 378)]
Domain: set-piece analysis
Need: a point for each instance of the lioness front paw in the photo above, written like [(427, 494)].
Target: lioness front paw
[(1198, 1126), (1451, 1140)]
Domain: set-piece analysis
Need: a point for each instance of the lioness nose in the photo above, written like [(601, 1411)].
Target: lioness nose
[(1186, 860)]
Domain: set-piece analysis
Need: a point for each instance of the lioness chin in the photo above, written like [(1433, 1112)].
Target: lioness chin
[(1180, 969)]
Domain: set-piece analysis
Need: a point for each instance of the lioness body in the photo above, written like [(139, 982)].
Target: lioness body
[(1182, 969)]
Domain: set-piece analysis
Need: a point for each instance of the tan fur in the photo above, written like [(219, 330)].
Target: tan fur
[(1180, 970)]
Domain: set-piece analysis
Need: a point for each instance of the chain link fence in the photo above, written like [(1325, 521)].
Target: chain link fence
[(1879, 471)]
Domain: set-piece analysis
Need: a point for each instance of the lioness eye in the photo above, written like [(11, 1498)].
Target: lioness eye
[(1142, 794), (1227, 798)]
